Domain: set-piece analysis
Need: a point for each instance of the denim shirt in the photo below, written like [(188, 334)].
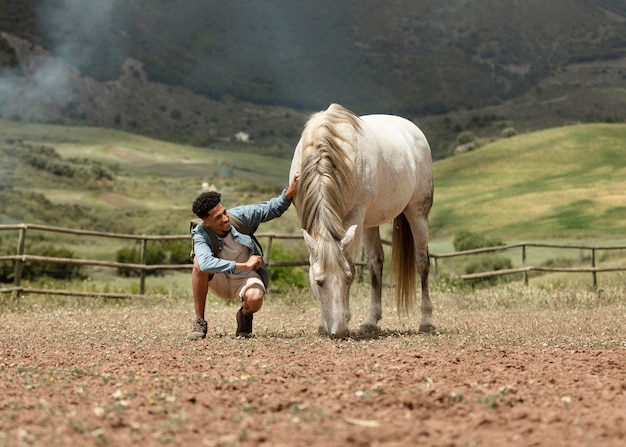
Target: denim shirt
[(252, 216)]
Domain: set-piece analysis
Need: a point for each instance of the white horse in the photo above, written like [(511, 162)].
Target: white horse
[(357, 173)]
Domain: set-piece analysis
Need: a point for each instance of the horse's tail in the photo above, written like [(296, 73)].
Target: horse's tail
[(403, 264)]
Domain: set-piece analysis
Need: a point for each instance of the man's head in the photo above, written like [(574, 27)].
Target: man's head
[(205, 202), (208, 207)]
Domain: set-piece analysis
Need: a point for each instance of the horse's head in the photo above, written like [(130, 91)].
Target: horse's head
[(331, 274)]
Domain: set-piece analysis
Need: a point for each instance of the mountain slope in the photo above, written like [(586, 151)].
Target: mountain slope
[(567, 182), (407, 57), (563, 183), (202, 71)]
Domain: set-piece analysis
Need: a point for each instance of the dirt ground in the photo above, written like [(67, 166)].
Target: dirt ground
[(127, 376)]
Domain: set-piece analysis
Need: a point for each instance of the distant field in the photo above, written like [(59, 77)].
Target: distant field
[(152, 177), (144, 157), (564, 184), (560, 184)]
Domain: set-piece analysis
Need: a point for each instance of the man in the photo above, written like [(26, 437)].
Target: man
[(227, 261)]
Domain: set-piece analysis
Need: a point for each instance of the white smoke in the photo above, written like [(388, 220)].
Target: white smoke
[(78, 28), (40, 82), (43, 80)]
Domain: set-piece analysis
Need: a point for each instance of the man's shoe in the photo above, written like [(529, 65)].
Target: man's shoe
[(198, 331), (244, 324)]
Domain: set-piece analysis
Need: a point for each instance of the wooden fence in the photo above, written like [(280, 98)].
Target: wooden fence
[(20, 258), (525, 268)]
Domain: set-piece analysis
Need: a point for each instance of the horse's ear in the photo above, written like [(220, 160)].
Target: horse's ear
[(348, 239), (309, 241)]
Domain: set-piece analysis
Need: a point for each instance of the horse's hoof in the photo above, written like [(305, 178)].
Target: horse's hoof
[(427, 329), (368, 329)]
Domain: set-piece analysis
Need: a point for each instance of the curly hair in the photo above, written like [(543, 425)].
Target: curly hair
[(205, 202)]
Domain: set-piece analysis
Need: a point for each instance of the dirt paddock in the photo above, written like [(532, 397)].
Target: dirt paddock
[(124, 374)]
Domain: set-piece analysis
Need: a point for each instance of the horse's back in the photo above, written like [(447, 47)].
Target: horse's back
[(391, 160), (398, 134), (390, 135), (400, 162)]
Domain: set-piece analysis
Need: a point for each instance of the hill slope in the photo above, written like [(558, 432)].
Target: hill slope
[(101, 179), (203, 71), (408, 56), (562, 183)]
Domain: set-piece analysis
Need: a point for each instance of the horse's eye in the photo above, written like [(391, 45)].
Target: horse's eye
[(320, 283)]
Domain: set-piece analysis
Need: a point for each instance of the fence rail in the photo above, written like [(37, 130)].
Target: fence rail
[(593, 268), (20, 258)]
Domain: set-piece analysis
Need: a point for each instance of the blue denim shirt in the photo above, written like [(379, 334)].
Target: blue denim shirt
[(252, 216)]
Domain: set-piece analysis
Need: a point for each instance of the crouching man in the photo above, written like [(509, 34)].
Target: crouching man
[(227, 260)]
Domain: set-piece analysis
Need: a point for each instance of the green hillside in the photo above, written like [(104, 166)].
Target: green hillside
[(564, 183), (152, 185)]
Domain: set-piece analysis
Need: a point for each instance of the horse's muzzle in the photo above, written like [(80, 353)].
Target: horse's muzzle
[(339, 331)]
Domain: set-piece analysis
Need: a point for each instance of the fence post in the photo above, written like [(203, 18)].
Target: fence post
[(19, 263), (524, 264), (268, 250), (144, 257), (593, 265)]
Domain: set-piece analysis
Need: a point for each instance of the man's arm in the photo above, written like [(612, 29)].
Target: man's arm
[(254, 215), (207, 261)]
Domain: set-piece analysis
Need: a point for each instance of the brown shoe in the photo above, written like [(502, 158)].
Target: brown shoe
[(244, 324), (198, 330)]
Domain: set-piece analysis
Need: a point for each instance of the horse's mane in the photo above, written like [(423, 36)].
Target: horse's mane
[(326, 173)]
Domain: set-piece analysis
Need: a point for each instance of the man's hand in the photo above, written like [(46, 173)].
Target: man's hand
[(292, 189), (254, 263)]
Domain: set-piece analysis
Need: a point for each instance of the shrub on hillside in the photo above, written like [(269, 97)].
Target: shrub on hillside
[(179, 252), (508, 132), (55, 270), (286, 277), (466, 137), (132, 255), (467, 240), (37, 270)]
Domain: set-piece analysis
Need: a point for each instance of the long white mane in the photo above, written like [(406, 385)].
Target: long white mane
[(326, 176)]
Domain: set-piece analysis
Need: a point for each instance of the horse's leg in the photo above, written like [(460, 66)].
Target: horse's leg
[(375, 257), (419, 229)]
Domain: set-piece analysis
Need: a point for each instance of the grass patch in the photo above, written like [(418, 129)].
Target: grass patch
[(556, 183)]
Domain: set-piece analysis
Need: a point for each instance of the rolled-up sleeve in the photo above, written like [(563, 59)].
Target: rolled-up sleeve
[(207, 262), (255, 215)]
